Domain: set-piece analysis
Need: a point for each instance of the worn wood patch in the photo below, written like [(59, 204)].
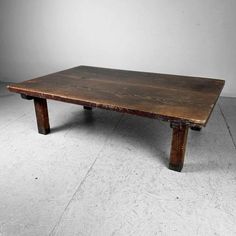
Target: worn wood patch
[(167, 97)]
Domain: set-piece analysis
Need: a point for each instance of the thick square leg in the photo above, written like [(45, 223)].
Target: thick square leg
[(41, 111), (178, 145), (87, 108)]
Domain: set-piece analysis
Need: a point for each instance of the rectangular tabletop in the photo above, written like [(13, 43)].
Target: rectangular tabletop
[(167, 97)]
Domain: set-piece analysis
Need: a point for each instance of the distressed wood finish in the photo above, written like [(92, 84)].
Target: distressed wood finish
[(167, 97), (178, 146), (181, 100), (41, 112)]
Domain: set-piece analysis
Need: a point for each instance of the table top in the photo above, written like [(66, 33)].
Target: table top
[(168, 97)]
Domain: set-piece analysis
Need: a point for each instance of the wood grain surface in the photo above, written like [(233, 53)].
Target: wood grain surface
[(174, 98)]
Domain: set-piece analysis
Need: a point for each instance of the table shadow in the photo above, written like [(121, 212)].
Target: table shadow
[(145, 132)]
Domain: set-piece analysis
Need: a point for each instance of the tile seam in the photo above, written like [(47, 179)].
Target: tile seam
[(85, 177), (227, 125)]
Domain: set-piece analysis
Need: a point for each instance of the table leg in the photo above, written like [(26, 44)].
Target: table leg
[(87, 108), (178, 145), (41, 111)]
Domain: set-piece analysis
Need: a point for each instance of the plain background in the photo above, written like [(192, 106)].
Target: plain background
[(188, 37)]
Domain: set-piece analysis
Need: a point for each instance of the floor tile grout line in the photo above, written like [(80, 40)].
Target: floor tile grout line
[(227, 125), (13, 121), (86, 175)]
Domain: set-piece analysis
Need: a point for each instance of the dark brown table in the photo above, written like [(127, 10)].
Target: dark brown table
[(183, 101)]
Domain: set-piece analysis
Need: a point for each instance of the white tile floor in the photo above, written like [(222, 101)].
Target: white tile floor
[(104, 173)]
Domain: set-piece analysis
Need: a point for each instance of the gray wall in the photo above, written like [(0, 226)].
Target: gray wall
[(191, 37)]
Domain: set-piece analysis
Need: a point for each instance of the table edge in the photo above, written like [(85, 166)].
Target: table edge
[(190, 122)]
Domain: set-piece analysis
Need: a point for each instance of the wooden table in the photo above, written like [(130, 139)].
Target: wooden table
[(183, 101)]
